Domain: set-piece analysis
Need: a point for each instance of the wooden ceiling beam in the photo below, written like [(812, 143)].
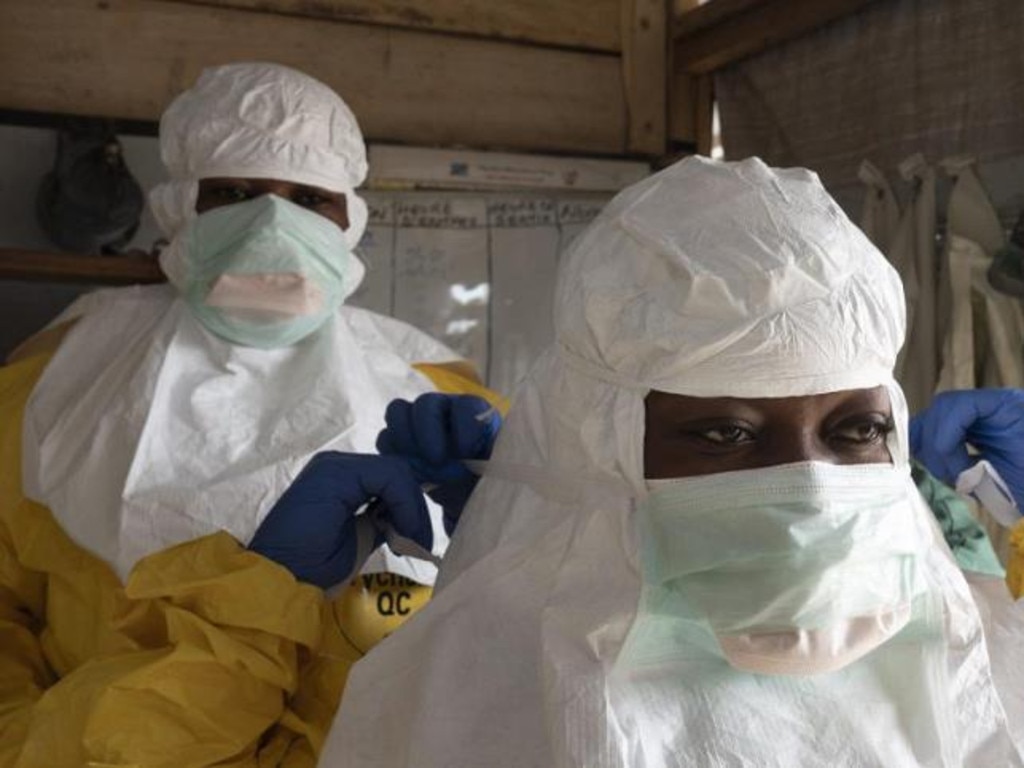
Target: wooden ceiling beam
[(721, 32), (50, 267), (128, 58), (583, 24), (645, 74)]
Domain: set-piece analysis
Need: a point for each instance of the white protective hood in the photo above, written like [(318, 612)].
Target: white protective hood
[(256, 121), (707, 279), (146, 430)]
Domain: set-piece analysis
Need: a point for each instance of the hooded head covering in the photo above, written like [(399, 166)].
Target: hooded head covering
[(708, 279), (713, 280), (262, 121)]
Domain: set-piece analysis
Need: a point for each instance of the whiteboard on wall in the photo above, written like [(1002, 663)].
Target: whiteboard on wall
[(475, 271)]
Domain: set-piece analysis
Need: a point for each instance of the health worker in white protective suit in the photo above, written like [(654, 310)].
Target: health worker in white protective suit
[(154, 607), (697, 542)]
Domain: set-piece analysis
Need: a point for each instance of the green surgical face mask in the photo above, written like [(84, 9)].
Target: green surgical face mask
[(795, 569), (266, 273)]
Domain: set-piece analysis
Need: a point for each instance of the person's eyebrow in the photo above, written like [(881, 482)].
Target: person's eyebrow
[(319, 190)]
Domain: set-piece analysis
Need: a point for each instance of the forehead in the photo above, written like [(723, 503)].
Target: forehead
[(269, 184), (667, 405)]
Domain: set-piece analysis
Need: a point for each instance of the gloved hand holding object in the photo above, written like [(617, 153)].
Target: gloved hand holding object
[(990, 420), (312, 530), (435, 434)]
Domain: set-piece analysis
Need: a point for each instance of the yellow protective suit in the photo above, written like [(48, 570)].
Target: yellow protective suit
[(209, 655), (1015, 568)]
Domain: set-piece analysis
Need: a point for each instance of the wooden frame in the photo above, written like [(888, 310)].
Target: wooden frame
[(575, 76), (604, 77), (645, 72), (43, 266), (592, 25), (723, 31), (128, 58), (593, 77), (712, 36)]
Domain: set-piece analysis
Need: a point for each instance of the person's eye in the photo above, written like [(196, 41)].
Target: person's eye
[(310, 199), (725, 435), (229, 194), (863, 431)]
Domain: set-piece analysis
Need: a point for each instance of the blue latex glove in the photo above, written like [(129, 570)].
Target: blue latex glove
[(435, 433), (311, 530), (991, 420)]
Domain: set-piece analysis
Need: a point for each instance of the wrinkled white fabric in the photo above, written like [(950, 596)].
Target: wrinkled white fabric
[(262, 121), (146, 430), (796, 569), (909, 244), (984, 341), (1004, 627), (716, 294), (706, 279), (880, 213), (985, 485)]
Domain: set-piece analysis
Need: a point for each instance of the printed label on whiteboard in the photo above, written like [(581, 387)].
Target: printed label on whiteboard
[(522, 212), (421, 260), (579, 211), (441, 214), (382, 212)]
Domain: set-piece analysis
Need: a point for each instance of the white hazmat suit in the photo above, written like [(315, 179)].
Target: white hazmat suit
[(708, 280), (147, 430), (140, 452)]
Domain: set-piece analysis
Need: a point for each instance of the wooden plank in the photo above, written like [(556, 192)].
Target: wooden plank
[(690, 16), (645, 72), (705, 114), (48, 267), (585, 24), (127, 58), (724, 31), (682, 109), (682, 92)]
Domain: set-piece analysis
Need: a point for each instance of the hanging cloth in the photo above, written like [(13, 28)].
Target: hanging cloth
[(880, 214), (908, 241), (983, 343)]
